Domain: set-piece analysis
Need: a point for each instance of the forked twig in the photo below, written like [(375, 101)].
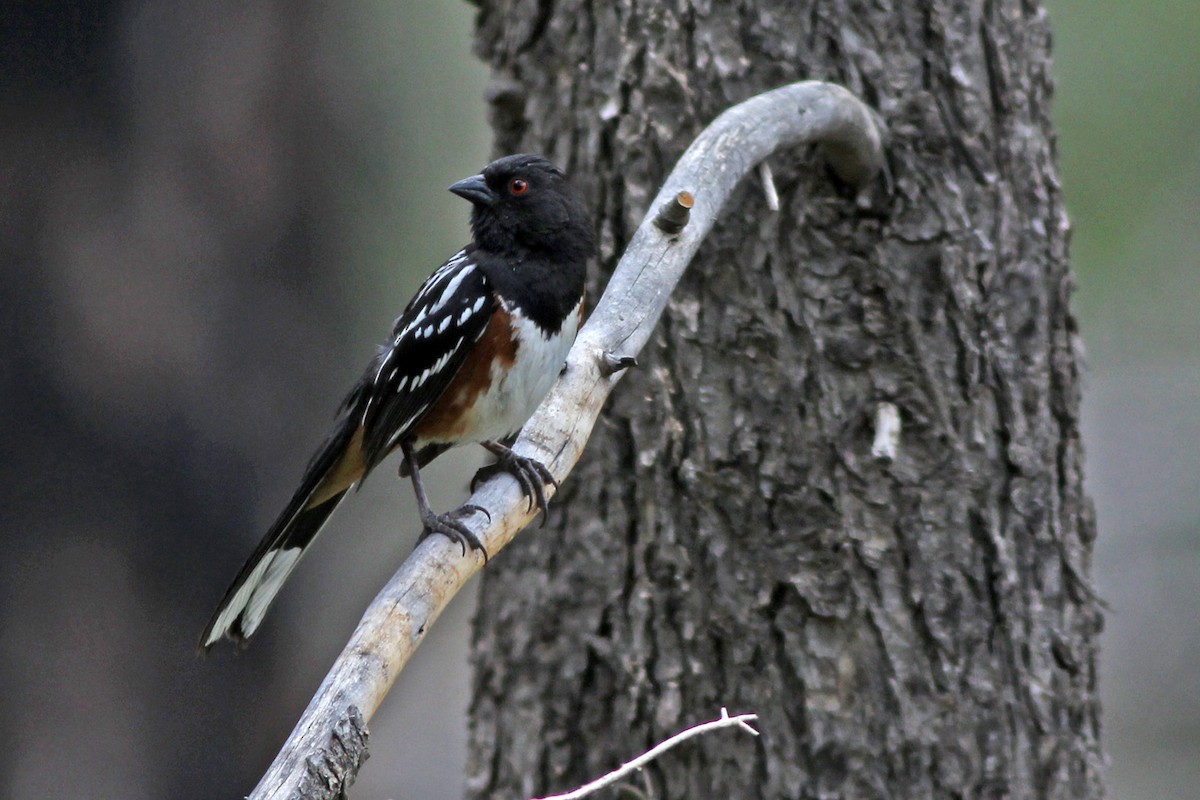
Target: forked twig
[(725, 721)]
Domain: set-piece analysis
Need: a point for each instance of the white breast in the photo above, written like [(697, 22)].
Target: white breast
[(515, 394)]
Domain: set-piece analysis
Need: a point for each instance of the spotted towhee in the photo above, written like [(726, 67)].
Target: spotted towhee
[(474, 353)]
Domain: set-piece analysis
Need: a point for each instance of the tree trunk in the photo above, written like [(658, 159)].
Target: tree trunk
[(914, 627)]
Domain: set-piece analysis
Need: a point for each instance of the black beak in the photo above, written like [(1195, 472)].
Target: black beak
[(475, 189)]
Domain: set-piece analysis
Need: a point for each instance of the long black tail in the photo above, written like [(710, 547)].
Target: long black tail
[(260, 579)]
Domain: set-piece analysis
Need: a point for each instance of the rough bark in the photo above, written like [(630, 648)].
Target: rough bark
[(919, 627)]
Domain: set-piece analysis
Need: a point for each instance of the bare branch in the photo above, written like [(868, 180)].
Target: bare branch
[(810, 112), (725, 721)]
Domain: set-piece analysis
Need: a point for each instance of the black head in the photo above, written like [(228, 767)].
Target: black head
[(523, 202)]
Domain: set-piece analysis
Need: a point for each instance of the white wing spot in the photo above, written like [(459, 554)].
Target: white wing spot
[(441, 363), (404, 426), (452, 287), (451, 274), (441, 272), (445, 323), (416, 321), (383, 362)]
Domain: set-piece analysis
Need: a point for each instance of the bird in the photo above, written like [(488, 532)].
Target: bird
[(470, 358)]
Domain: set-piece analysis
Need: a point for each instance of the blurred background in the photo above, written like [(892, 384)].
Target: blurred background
[(209, 215), (1128, 113)]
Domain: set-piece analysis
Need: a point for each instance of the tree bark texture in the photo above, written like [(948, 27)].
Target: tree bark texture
[(917, 627)]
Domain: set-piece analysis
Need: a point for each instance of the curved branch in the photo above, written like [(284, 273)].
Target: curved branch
[(319, 759)]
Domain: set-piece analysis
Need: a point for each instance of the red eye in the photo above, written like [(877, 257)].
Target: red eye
[(517, 186)]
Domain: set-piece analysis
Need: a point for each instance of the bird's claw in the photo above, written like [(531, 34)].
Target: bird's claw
[(450, 526), (530, 473)]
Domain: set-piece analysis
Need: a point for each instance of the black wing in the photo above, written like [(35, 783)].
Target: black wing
[(430, 341)]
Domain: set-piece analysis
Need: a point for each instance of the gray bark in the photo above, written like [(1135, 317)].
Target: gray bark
[(919, 627)]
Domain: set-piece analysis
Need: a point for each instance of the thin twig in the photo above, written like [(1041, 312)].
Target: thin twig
[(811, 112), (741, 721)]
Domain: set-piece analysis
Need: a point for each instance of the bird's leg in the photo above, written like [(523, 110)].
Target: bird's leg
[(530, 473), (447, 524)]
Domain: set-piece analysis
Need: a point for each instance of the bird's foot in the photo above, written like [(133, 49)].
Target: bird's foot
[(530, 473), (450, 525)]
